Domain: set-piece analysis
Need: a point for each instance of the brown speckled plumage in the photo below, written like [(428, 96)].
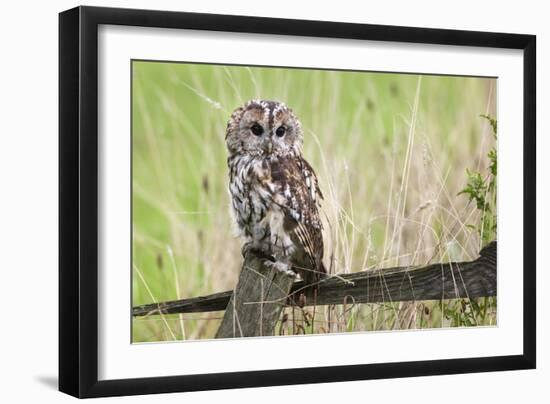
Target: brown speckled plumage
[(274, 191)]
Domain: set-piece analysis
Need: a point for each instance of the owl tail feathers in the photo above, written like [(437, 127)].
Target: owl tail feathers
[(319, 274)]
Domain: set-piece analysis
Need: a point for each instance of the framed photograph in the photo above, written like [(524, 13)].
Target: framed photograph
[(250, 201)]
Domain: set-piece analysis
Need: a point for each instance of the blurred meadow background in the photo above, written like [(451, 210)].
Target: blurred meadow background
[(406, 163)]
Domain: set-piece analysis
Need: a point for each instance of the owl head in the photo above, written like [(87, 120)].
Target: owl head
[(262, 127)]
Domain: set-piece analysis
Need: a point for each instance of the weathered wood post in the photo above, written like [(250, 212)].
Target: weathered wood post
[(256, 303)]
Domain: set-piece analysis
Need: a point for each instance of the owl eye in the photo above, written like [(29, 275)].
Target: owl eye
[(257, 129), (280, 131)]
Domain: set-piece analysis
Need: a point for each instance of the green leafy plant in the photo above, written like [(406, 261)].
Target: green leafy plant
[(481, 189), (469, 312)]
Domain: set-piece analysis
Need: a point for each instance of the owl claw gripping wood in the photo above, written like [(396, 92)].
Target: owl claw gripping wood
[(274, 191), (281, 267)]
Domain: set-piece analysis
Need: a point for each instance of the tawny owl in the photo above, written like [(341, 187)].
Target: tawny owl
[(274, 191)]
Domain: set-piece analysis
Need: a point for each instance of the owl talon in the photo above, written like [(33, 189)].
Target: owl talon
[(245, 249), (281, 267)]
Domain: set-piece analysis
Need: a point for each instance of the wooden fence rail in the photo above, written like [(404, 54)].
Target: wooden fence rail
[(261, 293)]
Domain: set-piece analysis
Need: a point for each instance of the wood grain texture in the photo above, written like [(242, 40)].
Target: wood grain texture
[(257, 302), (452, 280)]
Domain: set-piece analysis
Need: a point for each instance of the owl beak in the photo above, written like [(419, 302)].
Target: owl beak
[(269, 146)]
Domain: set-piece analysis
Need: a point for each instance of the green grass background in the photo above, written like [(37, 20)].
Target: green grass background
[(391, 152)]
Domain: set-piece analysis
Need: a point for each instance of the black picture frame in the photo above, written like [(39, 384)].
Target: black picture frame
[(78, 200)]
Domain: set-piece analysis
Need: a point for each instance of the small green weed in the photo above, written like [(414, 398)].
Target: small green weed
[(481, 188)]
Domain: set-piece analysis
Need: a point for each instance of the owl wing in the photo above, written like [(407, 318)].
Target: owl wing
[(299, 196)]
